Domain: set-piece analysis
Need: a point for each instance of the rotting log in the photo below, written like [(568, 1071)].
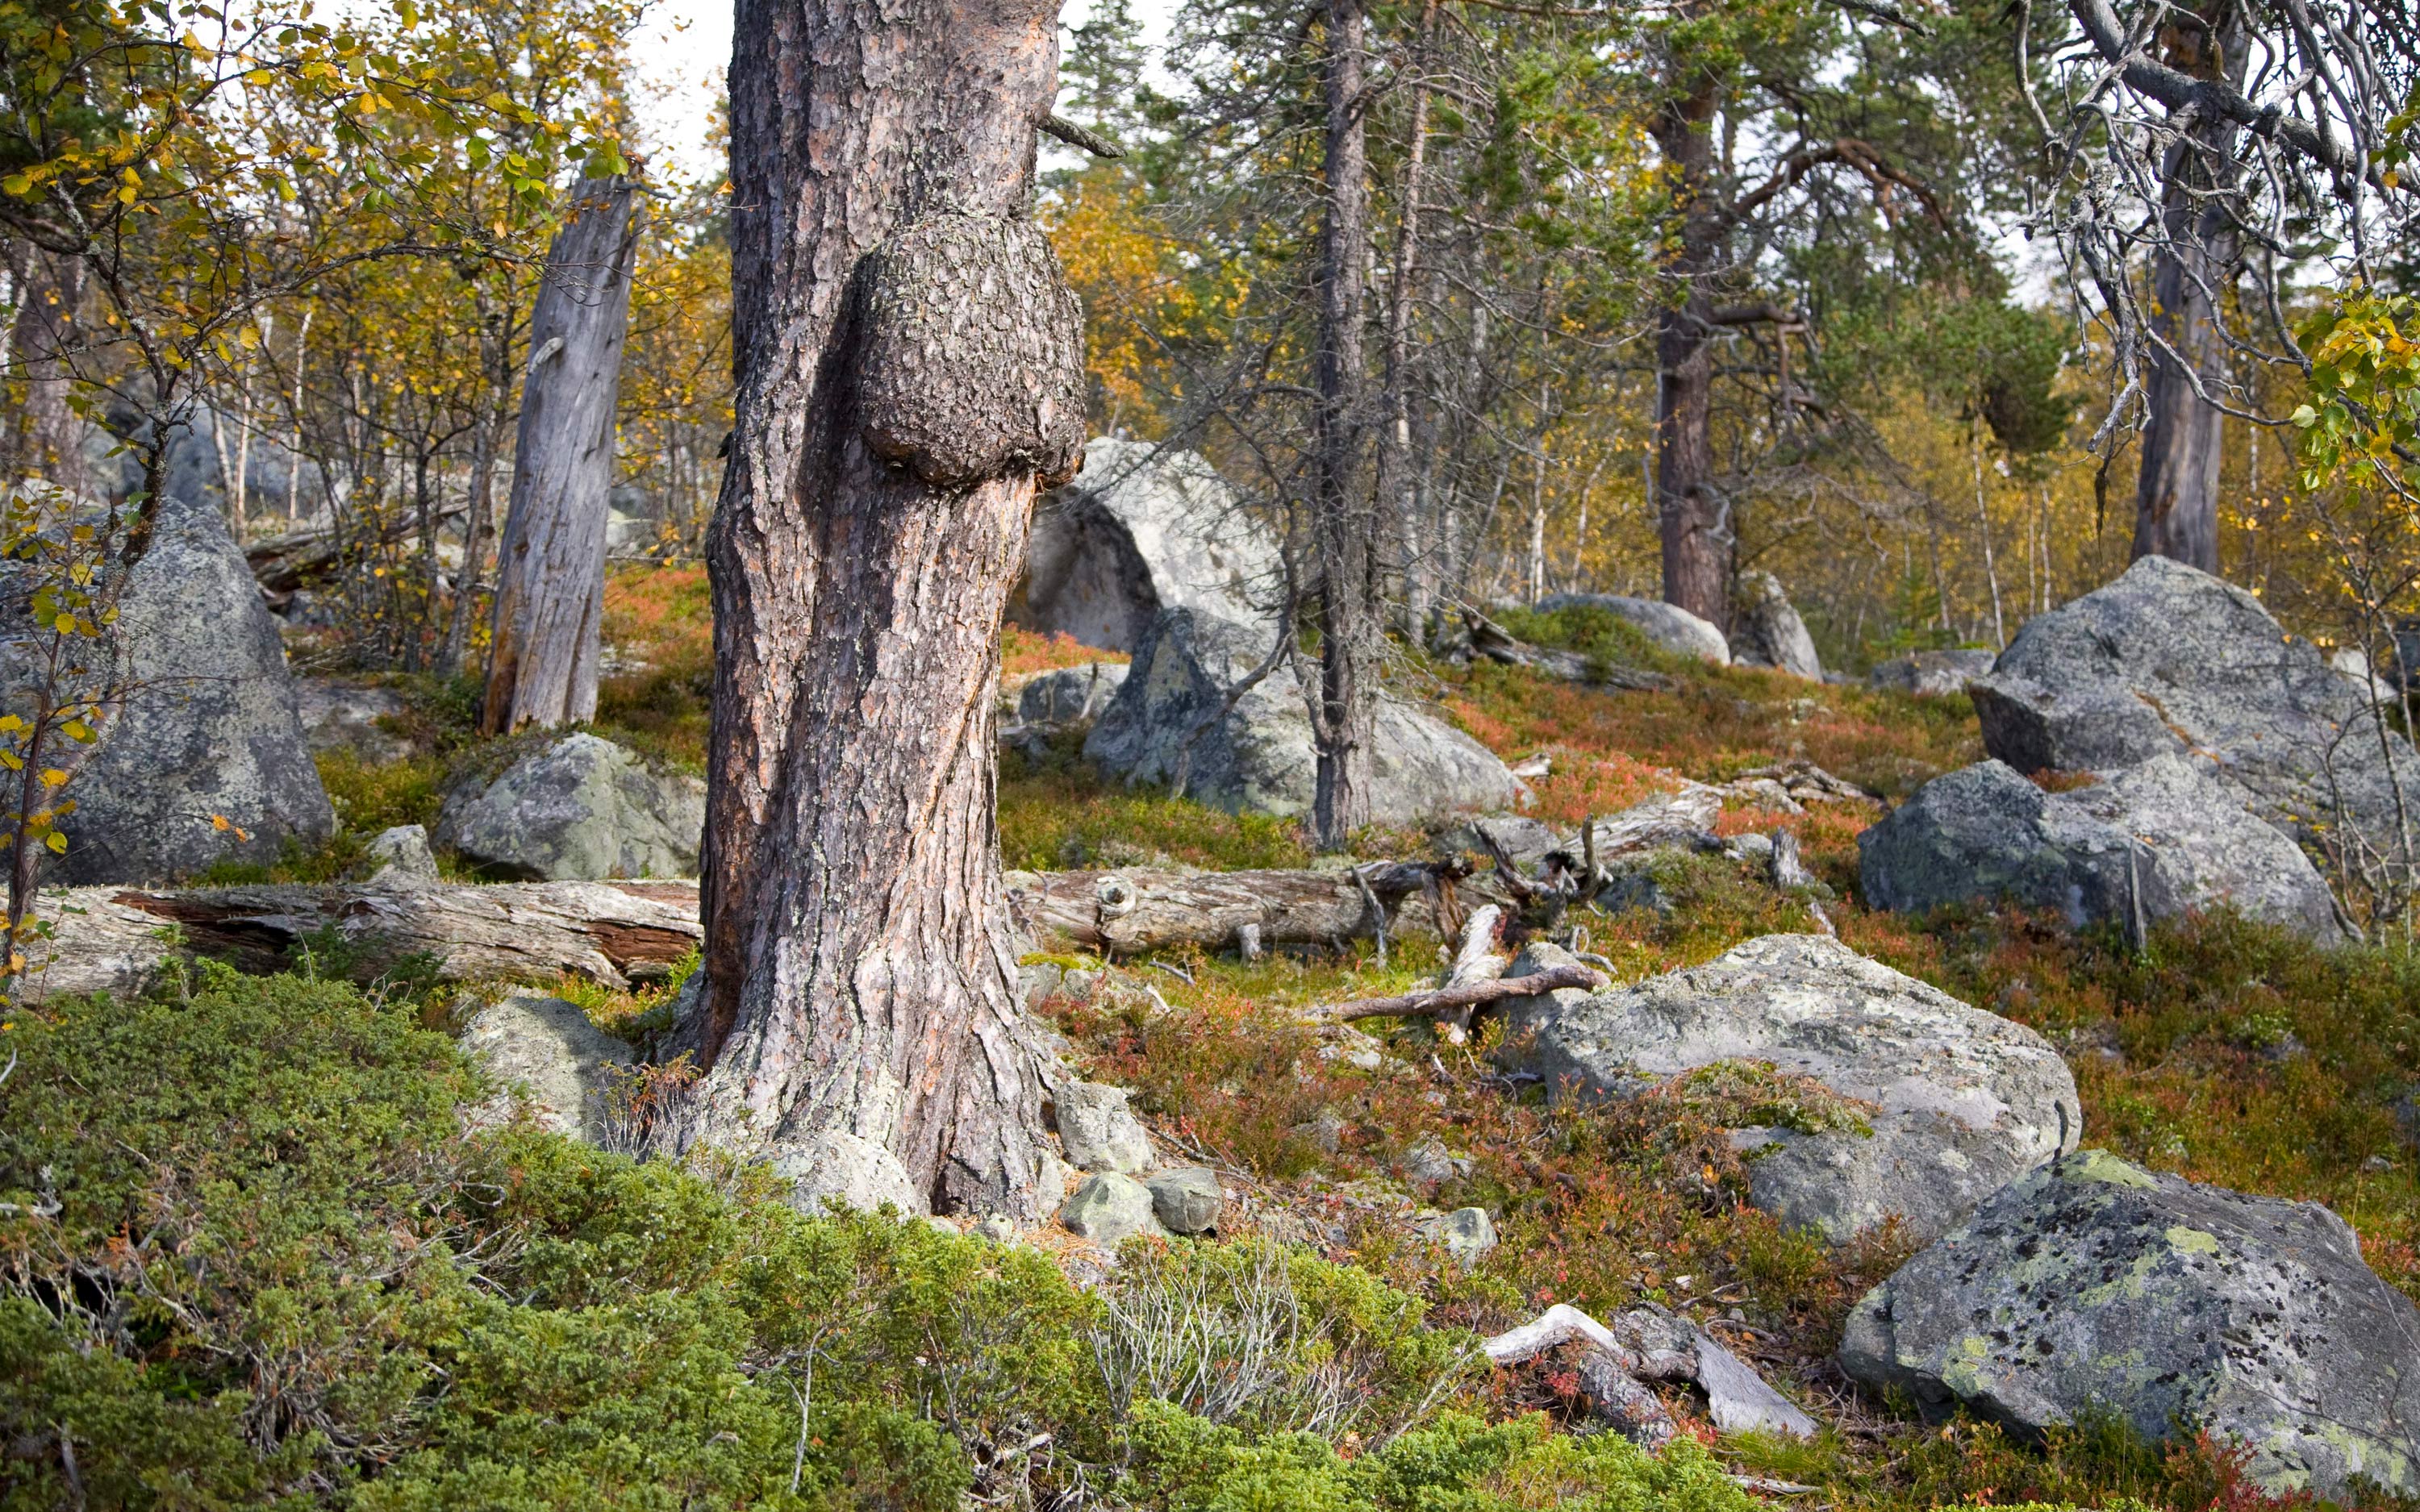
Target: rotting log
[(1495, 642), (1134, 911), (1436, 1002), (116, 939)]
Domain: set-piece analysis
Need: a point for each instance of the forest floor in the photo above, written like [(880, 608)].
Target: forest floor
[(2220, 1050)]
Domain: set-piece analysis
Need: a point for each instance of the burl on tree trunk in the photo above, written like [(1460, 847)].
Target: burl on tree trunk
[(550, 582), (910, 368)]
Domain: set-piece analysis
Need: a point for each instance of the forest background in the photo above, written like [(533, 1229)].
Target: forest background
[(1918, 412)]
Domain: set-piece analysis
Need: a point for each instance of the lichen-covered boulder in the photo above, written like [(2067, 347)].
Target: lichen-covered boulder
[(1932, 674), (1097, 1129), (1108, 1209), (2148, 842), (1668, 625), (1141, 528), (1186, 1199), (581, 810), (543, 1053), (2168, 658), (1767, 630), (201, 758), (1940, 1104), (2094, 1286), (1257, 757), (834, 1165)]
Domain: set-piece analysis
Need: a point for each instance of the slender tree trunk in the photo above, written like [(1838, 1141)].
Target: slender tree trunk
[(910, 376), (1695, 533), (1341, 526), (1398, 488), (495, 352), (46, 437), (550, 571), (1983, 519), (2176, 492)]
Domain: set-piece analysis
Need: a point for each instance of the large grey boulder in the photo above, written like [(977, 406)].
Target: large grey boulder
[(583, 808), (2152, 841), (1257, 756), (544, 1052), (1668, 625), (201, 758), (1942, 1103), (2169, 658), (2094, 1286), (1767, 630), (1932, 674), (1139, 530)]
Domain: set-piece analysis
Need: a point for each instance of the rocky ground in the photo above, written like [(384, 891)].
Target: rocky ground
[(1989, 1097)]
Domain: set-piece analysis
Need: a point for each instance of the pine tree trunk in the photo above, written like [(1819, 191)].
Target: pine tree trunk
[(550, 569), (1696, 534), (1342, 524), (2176, 492), (910, 377)]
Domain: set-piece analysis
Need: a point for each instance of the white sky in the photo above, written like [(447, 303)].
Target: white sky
[(684, 46)]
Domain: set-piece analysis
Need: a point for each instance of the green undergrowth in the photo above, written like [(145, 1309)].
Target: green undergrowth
[(250, 1258)]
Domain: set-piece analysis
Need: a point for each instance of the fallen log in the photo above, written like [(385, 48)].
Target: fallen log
[(1437, 1002), (1495, 642), (1655, 1344), (1133, 911), (117, 939)]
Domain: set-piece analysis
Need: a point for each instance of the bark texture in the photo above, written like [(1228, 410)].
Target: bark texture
[(908, 367), (1343, 522), (1695, 526), (111, 939), (2176, 492), (550, 572), (1131, 912)]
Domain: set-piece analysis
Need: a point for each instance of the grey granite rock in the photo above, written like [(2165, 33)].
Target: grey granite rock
[(1668, 625), (342, 715), (1139, 530), (1465, 1235), (1932, 673), (202, 758), (837, 1164), (2151, 842), (1186, 1199), (545, 1052), (400, 857), (2092, 1285), (1110, 1208), (2171, 659), (1950, 1103), (1767, 630), (581, 810), (1258, 757), (1098, 1131)]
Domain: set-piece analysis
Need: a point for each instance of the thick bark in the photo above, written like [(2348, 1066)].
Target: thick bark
[(2176, 493), (1347, 538), (1696, 531), (551, 570), (909, 377)]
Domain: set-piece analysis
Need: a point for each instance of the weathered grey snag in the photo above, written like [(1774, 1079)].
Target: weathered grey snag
[(2176, 492), (910, 377), (550, 572)]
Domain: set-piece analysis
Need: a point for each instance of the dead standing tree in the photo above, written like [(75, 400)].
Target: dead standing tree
[(910, 377), (551, 577)]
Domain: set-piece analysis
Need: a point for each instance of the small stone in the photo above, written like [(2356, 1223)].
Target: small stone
[(399, 857), (999, 1228), (837, 1164), (1756, 848), (546, 1050), (1186, 1199), (1108, 1209), (1099, 1131), (1467, 1233), (1429, 1161)]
